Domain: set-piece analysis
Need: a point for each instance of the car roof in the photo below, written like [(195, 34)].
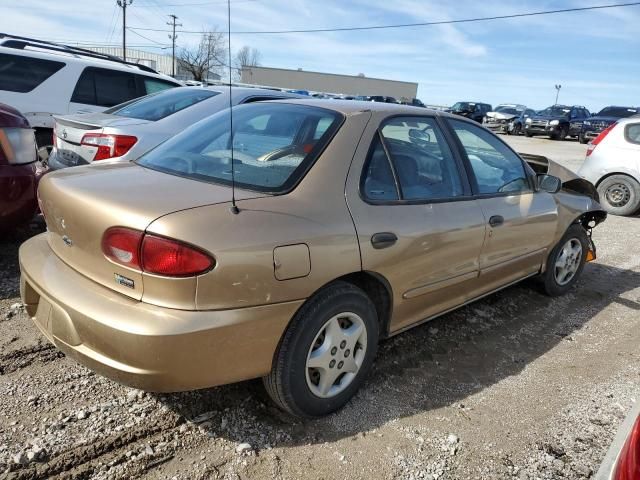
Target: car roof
[(357, 106)]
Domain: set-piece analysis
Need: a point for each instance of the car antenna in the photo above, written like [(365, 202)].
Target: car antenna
[(234, 208)]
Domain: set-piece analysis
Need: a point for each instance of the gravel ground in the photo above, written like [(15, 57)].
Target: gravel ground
[(515, 386)]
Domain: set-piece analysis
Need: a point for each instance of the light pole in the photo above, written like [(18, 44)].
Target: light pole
[(558, 87)]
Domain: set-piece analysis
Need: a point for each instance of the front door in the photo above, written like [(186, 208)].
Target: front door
[(521, 222), (417, 224)]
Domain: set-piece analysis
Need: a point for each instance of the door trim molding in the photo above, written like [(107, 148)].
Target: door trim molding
[(430, 287)]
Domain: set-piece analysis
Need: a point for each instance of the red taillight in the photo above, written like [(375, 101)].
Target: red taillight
[(163, 256), (628, 465), (122, 245), (599, 138), (151, 254), (109, 146)]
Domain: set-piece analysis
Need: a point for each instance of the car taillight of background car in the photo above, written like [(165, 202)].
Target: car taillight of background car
[(109, 146), (17, 146)]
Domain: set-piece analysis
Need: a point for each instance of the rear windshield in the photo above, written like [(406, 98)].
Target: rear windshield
[(274, 144), (162, 104)]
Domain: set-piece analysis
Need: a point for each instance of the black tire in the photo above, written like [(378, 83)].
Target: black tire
[(44, 142), (287, 382), (564, 133), (517, 129), (582, 139), (528, 135), (620, 194), (550, 283)]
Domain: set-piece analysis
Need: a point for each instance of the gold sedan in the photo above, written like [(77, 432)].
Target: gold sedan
[(352, 222)]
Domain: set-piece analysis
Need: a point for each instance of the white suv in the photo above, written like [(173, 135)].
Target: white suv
[(42, 79)]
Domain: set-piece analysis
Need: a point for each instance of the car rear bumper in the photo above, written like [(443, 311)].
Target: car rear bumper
[(142, 345), (18, 186)]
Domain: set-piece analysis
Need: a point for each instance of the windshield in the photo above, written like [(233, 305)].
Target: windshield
[(162, 104), (618, 112), (508, 109), (273, 146), (555, 111), (463, 107)]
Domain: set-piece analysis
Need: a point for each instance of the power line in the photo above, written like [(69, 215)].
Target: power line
[(164, 45), (419, 24), (197, 4)]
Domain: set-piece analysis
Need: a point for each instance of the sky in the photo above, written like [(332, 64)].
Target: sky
[(594, 55)]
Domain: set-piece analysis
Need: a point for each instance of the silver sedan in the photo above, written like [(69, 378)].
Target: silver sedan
[(128, 130)]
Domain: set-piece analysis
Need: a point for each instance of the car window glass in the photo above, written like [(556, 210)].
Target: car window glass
[(273, 146), (422, 159), (113, 87), (161, 105), (378, 176), (153, 85), (85, 91), (633, 132), (23, 74), (496, 168), (322, 127)]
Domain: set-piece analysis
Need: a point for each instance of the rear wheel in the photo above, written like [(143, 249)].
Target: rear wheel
[(620, 194), (566, 261), (527, 134), (325, 353)]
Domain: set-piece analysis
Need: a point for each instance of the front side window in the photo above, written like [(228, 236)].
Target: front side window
[(274, 145), (160, 105), (496, 168), (23, 74), (420, 158)]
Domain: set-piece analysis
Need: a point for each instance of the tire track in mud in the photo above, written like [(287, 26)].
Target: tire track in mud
[(23, 357), (81, 462)]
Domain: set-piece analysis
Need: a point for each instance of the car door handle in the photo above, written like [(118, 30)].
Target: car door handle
[(496, 220), (383, 240)]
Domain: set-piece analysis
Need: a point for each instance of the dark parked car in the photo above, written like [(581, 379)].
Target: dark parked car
[(382, 99), (557, 122), (508, 118), (595, 124), (19, 170), (472, 110)]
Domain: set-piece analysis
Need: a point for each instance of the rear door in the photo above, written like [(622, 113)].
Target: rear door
[(521, 222), (417, 224)]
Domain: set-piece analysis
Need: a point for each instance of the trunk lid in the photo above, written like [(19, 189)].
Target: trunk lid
[(70, 129), (80, 204)]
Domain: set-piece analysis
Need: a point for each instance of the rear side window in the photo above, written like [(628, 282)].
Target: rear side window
[(154, 85), (161, 105), (104, 87), (273, 146), (632, 133), (23, 74), (420, 160)]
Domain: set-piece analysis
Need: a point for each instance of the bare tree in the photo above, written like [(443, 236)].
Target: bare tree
[(208, 56), (246, 57)]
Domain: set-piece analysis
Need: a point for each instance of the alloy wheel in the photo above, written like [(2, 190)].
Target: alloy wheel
[(568, 261), (336, 355)]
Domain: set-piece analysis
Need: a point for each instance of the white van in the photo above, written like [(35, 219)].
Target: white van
[(42, 79)]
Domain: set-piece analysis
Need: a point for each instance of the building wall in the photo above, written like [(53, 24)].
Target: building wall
[(328, 82)]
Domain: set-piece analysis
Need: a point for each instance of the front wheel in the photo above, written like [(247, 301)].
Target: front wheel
[(566, 261), (325, 353), (582, 139), (620, 195)]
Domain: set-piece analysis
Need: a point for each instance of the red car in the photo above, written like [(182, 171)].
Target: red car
[(622, 461), (19, 169)]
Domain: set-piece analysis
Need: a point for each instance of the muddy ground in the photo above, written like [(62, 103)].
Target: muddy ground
[(514, 386)]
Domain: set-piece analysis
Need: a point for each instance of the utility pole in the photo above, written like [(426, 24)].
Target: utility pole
[(558, 87), (173, 43), (206, 82), (123, 4)]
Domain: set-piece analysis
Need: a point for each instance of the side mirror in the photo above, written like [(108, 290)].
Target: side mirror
[(419, 136), (549, 183)]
